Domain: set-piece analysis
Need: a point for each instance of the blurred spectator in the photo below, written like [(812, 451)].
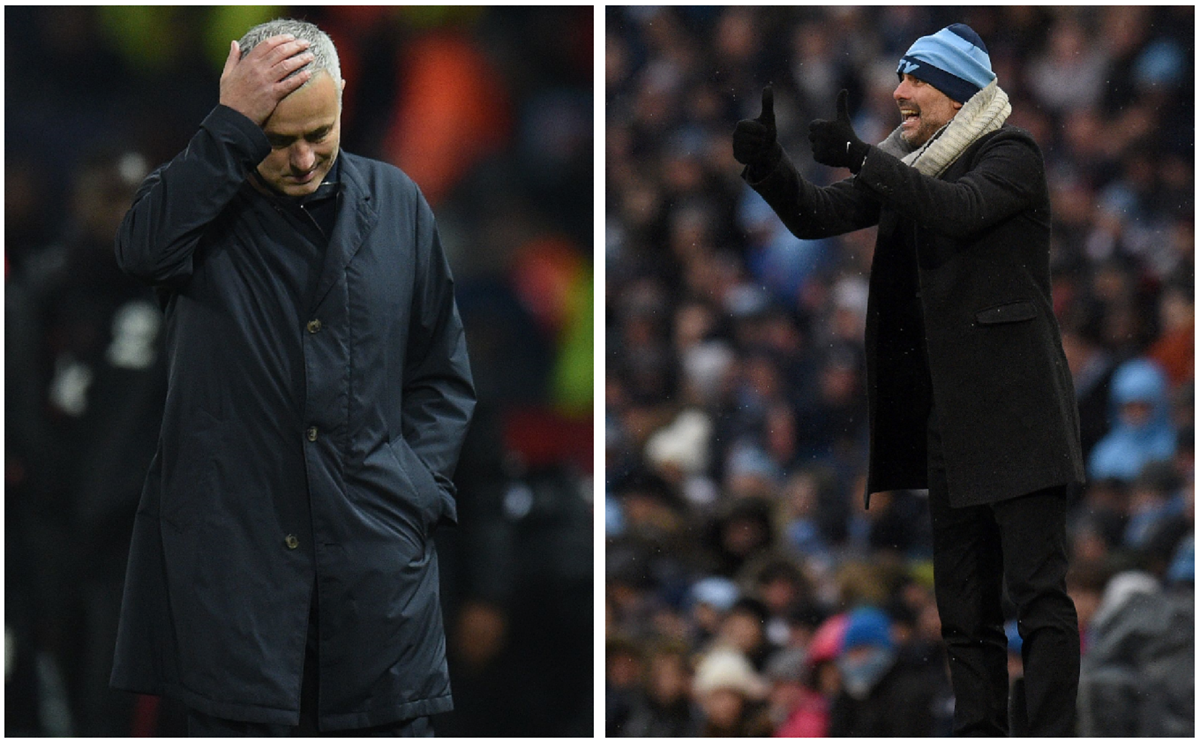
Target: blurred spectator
[(876, 687), (808, 716), (711, 599), (1141, 424), (798, 708), (811, 510), (744, 629), (623, 672), (1092, 367), (786, 599), (81, 433), (665, 709), (744, 529), (1175, 349), (731, 695), (1085, 582), (1070, 72), (785, 676), (1137, 679), (1155, 499)]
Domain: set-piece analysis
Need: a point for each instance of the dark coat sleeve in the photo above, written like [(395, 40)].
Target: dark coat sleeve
[(439, 395), (813, 212), (1005, 179), (175, 203)]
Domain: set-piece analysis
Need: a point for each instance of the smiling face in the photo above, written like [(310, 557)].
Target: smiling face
[(305, 132), (923, 109)]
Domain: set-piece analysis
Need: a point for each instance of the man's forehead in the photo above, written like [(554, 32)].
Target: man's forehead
[(307, 109)]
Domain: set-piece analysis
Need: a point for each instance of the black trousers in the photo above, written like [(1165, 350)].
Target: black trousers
[(207, 726), (1019, 544)]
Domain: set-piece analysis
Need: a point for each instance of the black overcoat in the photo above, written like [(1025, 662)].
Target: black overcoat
[(962, 263), (318, 397)]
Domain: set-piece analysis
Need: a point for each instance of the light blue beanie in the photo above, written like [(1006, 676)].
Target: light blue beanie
[(954, 60)]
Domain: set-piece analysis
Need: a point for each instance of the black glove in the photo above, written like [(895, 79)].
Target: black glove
[(834, 143), (754, 142)]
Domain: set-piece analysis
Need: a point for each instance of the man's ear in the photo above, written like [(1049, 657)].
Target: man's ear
[(957, 105)]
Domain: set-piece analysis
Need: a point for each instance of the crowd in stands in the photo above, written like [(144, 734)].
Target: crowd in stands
[(748, 592), (491, 112)]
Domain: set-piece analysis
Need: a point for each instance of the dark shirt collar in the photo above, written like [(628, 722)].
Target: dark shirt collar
[(329, 188)]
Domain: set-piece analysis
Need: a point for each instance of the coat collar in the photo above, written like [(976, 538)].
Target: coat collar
[(357, 215)]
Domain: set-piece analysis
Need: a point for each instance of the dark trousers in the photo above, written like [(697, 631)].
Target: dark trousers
[(207, 726), (1019, 544)]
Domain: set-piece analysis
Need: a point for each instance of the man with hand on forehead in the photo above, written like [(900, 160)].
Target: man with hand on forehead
[(282, 576), (968, 388)]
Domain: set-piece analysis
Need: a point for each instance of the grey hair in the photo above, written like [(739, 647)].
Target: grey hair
[(325, 56)]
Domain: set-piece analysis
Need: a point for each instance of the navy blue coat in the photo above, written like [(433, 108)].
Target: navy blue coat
[(317, 401), (959, 312)]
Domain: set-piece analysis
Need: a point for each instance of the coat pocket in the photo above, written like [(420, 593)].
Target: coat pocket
[(1011, 312), (423, 480)]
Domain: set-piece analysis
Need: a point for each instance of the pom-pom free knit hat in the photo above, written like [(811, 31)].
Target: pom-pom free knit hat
[(867, 626), (953, 60)]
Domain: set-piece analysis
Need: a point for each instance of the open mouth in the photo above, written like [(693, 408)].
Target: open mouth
[(909, 115)]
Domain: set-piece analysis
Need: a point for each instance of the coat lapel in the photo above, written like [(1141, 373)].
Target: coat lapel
[(356, 217)]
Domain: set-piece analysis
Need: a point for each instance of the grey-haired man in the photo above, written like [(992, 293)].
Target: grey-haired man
[(282, 576)]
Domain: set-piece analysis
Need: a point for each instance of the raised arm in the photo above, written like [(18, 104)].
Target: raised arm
[(813, 212), (174, 205), (1006, 178), (809, 211)]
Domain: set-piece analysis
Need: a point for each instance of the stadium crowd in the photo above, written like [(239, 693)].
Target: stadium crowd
[(490, 111), (748, 592)]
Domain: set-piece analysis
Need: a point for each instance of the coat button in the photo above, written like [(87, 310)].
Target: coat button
[(291, 541), (312, 433), (314, 326)]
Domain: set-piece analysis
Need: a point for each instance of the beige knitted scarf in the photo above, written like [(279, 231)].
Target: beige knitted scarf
[(984, 113)]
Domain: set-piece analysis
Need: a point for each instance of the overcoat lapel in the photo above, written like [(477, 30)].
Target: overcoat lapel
[(356, 218)]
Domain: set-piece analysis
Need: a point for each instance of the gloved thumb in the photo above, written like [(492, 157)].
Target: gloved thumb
[(843, 109), (768, 107)]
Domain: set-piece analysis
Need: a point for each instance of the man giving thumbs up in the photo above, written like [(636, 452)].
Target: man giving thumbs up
[(968, 389)]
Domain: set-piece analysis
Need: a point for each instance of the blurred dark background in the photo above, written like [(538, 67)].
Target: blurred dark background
[(735, 413), (490, 111)]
